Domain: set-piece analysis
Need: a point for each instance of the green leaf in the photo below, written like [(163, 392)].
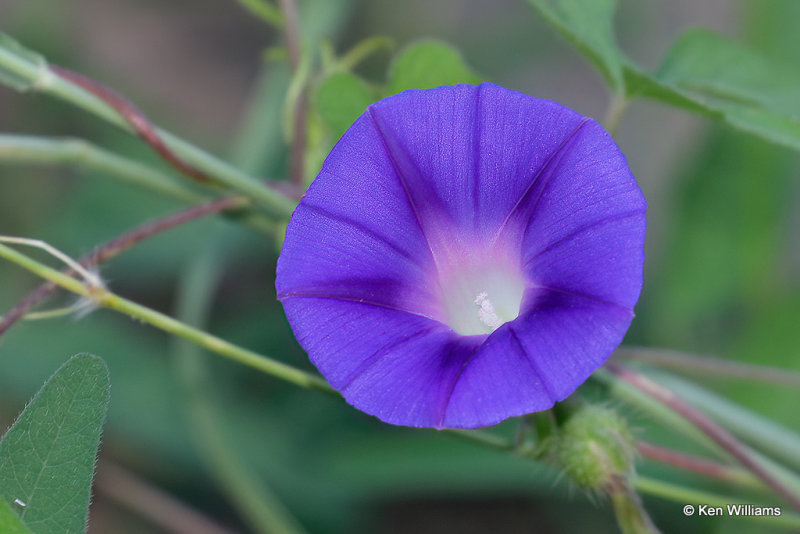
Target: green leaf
[(47, 457), (427, 64), (15, 58), (10, 523), (639, 83), (265, 11), (340, 99), (708, 74), (589, 25), (714, 67)]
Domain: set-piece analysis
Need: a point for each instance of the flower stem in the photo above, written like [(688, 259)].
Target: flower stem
[(118, 245), (76, 152), (705, 424), (31, 72), (699, 465), (711, 365), (297, 150), (631, 395), (769, 437), (617, 106), (632, 518), (107, 299)]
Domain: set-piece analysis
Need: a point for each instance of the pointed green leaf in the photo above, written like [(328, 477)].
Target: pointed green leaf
[(715, 67), (10, 523), (47, 457), (588, 25), (708, 74), (426, 64), (340, 99)]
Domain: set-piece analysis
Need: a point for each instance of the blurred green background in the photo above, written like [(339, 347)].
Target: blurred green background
[(722, 274)]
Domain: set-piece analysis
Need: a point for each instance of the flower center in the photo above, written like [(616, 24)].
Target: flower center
[(480, 296)]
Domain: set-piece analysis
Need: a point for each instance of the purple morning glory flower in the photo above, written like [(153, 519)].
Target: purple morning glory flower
[(466, 254)]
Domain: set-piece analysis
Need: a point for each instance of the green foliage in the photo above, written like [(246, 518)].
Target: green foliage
[(718, 282), (703, 72), (589, 25), (732, 93), (749, 91), (47, 457), (340, 99), (427, 64), (714, 66), (10, 523)]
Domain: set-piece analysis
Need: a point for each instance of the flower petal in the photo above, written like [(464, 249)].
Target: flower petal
[(585, 222), (355, 236), (391, 364), (466, 155), (541, 358), (602, 260)]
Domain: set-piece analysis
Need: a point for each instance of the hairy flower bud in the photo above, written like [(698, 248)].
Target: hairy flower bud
[(594, 447)]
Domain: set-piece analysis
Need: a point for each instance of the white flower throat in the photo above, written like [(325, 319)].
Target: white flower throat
[(481, 292)]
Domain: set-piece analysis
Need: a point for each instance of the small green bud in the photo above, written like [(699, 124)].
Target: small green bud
[(594, 447)]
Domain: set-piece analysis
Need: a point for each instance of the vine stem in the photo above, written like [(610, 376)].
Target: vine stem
[(699, 465), (29, 149), (135, 119), (617, 106), (117, 246), (306, 380), (719, 435), (31, 72), (105, 298), (79, 153), (297, 152), (712, 365)]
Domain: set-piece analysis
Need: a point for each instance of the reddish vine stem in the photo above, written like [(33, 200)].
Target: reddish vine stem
[(133, 116), (696, 464), (712, 365), (299, 127), (722, 437), (118, 245)]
